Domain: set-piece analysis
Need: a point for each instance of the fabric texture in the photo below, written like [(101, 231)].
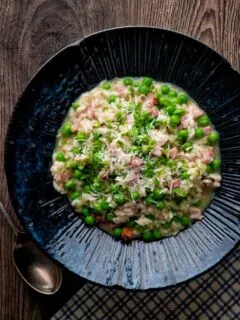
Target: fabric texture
[(213, 295)]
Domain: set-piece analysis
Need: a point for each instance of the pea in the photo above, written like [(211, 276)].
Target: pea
[(157, 234), (106, 85), (213, 137), (203, 121), (82, 136), (75, 105), (70, 185), (171, 110), (66, 130), (184, 175), (180, 193), (119, 198), (97, 207), (86, 189), (147, 81), (174, 101), (114, 188), (76, 150), (143, 89), (85, 212), (128, 81), (208, 169), (160, 205), (147, 236), (72, 164), (174, 120), (158, 195), (188, 146), (182, 135), (89, 220), (104, 205), (165, 89), (112, 98), (136, 83), (75, 195), (149, 200), (136, 195), (199, 133), (182, 98), (109, 217), (77, 174), (180, 112), (166, 225), (60, 156), (172, 94), (215, 165), (185, 220), (117, 232)]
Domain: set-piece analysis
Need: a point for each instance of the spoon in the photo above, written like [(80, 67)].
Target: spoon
[(36, 269)]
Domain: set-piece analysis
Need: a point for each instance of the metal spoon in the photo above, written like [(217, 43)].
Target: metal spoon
[(38, 271)]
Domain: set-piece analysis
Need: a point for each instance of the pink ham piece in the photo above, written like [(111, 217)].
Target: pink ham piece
[(207, 155), (104, 174), (173, 153), (176, 183), (150, 101), (154, 112), (136, 162), (207, 130), (62, 177), (157, 151), (195, 213), (196, 112)]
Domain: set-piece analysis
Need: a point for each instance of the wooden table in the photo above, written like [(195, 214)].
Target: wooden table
[(31, 31)]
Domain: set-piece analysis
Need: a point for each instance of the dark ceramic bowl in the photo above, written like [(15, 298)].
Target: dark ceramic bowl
[(89, 252)]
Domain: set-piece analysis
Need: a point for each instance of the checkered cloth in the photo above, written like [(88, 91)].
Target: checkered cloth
[(214, 295)]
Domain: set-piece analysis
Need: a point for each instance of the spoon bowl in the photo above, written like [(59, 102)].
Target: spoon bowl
[(35, 267)]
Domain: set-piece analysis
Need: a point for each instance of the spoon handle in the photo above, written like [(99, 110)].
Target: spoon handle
[(9, 219)]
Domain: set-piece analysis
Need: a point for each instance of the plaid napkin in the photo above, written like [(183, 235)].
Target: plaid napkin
[(214, 295)]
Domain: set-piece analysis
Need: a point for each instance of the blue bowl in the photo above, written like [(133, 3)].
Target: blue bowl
[(89, 252)]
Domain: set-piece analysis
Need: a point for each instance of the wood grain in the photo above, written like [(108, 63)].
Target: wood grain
[(30, 32)]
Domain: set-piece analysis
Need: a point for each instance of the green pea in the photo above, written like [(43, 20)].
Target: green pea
[(185, 220), (72, 164), (174, 101), (109, 217), (160, 205), (112, 98), (165, 89), (85, 212), (203, 121), (76, 150), (89, 220), (166, 225), (208, 169), (188, 146), (104, 205), (82, 136), (149, 200), (75, 105), (172, 94), (60, 156), (75, 195), (182, 98), (66, 130), (157, 234), (215, 165), (136, 195), (106, 85), (119, 198), (199, 133), (77, 174), (147, 81), (174, 120), (180, 112), (182, 135), (86, 189), (147, 236), (180, 193), (136, 83), (114, 188), (97, 207), (158, 194), (213, 137), (185, 175), (143, 89), (70, 185), (117, 232), (171, 110)]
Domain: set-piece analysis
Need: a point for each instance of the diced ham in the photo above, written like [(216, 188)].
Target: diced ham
[(154, 112), (187, 122), (159, 137), (104, 174), (207, 130), (135, 162), (195, 110), (127, 234), (157, 151), (122, 90), (173, 153), (150, 101), (63, 176), (207, 155), (195, 213), (176, 183)]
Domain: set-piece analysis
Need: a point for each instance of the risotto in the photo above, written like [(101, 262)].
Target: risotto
[(137, 157)]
